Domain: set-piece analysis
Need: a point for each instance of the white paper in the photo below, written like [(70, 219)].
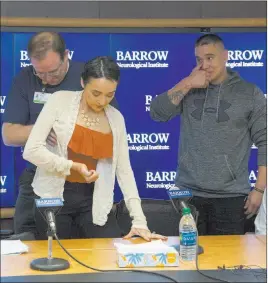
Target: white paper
[(151, 247), (13, 247)]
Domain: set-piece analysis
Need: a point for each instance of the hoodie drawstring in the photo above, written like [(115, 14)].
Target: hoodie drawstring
[(218, 103), (203, 111)]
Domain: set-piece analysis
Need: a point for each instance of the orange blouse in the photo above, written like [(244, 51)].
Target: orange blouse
[(87, 146)]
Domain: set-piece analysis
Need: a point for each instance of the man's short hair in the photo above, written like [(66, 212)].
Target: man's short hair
[(43, 42), (209, 38)]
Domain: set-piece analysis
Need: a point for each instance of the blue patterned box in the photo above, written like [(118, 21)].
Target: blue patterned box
[(154, 254)]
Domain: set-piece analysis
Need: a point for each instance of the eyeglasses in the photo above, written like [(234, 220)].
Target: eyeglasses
[(53, 73)]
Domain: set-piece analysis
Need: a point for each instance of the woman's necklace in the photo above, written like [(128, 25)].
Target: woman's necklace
[(90, 122)]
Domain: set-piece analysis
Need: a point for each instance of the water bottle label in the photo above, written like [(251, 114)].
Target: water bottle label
[(188, 238)]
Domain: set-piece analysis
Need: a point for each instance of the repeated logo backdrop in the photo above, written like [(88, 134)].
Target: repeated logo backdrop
[(150, 64), (7, 179)]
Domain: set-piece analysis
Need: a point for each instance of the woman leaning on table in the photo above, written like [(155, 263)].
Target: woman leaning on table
[(91, 150)]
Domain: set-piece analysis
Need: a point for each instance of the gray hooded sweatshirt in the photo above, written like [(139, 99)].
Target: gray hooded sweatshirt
[(219, 124)]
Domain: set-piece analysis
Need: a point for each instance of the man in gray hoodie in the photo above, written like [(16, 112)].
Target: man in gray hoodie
[(222, 115)]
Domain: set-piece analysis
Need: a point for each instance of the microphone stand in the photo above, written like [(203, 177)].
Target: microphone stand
[(200, 249), (49, 263)]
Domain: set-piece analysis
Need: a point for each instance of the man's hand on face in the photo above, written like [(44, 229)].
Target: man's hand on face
[(198, 78)]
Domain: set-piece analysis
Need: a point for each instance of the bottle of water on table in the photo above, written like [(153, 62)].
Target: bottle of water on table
[(188, 236)]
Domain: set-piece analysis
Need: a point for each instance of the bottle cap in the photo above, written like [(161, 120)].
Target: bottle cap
[(186, 210)]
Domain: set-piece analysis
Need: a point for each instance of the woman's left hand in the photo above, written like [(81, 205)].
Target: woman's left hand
[(145, 234)]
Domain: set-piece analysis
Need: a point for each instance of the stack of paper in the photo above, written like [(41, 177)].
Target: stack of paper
[(13, 247)]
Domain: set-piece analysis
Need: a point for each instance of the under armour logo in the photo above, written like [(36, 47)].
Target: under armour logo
[(199, 104)]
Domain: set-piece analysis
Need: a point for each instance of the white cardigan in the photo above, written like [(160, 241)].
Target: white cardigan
[(60, 113)]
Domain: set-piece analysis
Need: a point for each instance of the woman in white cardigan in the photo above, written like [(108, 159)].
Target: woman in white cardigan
[(91, 149)]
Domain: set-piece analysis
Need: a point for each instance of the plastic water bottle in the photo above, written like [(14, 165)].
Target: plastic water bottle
[(188, 236)]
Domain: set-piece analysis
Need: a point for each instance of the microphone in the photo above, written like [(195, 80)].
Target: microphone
[(48, 207), (51, 221), (183, 195)]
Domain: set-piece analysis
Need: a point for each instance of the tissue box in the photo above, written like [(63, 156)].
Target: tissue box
[(148, 259), (150, 255)]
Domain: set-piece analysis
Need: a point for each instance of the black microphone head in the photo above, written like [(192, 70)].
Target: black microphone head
[(49, 207)]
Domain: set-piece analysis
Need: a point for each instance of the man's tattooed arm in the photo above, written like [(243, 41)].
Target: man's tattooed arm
[(177, 93), (176, 97)]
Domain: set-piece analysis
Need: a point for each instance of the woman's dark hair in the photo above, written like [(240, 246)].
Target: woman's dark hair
[(101, 67)]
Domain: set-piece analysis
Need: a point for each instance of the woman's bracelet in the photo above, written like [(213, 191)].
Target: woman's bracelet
[(258, 190)]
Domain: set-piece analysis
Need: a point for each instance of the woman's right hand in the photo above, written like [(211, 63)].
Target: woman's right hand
[(89, 175)]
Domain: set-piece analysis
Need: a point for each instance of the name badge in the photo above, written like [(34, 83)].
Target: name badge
[(41, 97)]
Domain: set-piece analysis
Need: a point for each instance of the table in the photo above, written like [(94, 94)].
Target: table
[(247, 250)]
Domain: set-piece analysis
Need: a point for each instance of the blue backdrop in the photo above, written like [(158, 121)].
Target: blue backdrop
[(150, 64)]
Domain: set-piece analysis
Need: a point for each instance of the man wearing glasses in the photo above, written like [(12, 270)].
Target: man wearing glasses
[(50, 71)]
